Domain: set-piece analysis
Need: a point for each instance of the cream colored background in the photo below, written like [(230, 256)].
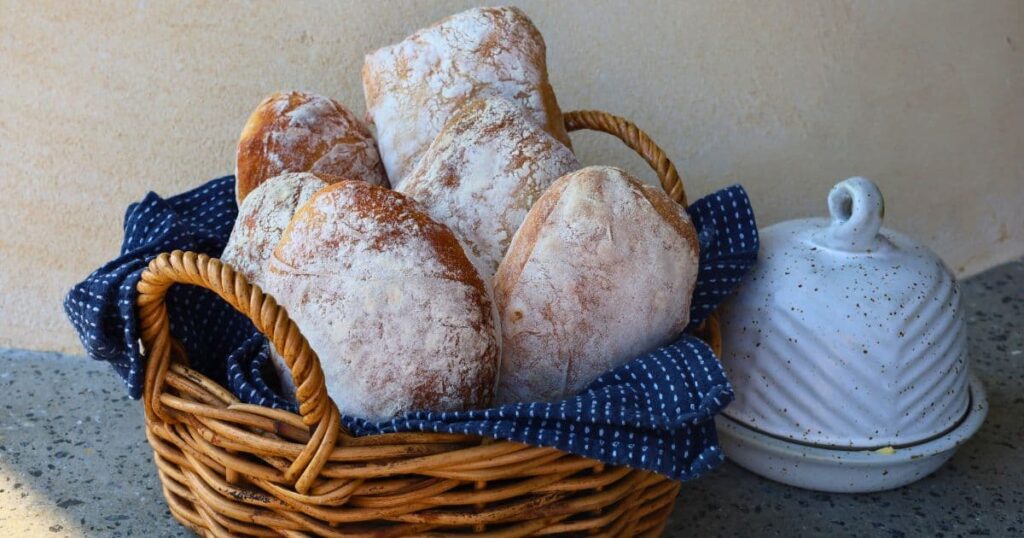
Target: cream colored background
[(101, 102)]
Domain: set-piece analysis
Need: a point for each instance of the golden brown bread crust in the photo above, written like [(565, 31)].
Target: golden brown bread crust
[(301, 132)]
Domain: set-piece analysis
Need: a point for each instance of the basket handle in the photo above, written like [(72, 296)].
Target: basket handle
[(637, 140), (317, 409)]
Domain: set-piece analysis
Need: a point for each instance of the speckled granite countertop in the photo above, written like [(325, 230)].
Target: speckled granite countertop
[(74, 459)]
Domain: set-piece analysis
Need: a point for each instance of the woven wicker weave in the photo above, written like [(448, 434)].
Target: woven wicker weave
[(230, 468)]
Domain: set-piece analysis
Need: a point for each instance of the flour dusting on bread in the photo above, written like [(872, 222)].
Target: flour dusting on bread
[(484, 172), (414, 86), (262, 219)]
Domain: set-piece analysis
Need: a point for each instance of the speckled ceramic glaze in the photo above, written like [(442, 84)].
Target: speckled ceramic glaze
[(847, 334)]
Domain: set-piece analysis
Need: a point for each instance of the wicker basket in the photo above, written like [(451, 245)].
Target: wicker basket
[(230, 468)]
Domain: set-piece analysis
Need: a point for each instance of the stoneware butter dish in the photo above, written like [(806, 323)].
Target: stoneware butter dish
[(847, 353)]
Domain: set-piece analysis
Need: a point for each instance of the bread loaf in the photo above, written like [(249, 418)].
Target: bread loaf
[(414, 86), (484, 172), (303, 132), (602, 269), (262, 219), (397, 314)]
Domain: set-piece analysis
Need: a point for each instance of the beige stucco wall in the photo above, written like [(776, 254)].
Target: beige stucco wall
[(101, 103)]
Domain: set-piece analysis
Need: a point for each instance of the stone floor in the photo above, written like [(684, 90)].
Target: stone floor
[(74, 460)]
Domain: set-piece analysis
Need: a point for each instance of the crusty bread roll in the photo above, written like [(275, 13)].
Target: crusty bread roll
[(385, 295), (262, 219), (303, 132), (602, 269), (484, 172), (413, 87)]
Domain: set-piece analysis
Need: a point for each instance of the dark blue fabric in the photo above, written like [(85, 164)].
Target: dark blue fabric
[(102, 307), (652, 413)]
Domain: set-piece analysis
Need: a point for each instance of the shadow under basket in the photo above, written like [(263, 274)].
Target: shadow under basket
[(230, 468)]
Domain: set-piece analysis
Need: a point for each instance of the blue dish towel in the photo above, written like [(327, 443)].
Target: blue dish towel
[(652, 413)]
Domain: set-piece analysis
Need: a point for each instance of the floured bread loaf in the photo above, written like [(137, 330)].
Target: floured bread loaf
[(303, 132), (602, 270), (386, 297), (484, 172), (263, 217), (413, 87)]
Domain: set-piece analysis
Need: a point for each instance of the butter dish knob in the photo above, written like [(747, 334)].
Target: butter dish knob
[(857, 209)]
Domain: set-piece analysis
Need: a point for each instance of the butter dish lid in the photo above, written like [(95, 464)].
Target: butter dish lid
[(847, 334)]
